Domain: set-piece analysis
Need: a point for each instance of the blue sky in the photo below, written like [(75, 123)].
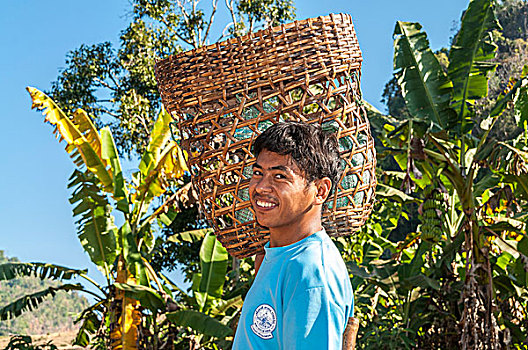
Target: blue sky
[(35, 37)]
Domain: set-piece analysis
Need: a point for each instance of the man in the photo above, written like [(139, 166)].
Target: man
[(301, 297)]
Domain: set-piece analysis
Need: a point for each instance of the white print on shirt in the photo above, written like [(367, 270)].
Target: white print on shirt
[(264, 321)]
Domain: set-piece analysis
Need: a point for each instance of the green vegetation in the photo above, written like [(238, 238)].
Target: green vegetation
[(54, 314), (442, 262), (458, 278)]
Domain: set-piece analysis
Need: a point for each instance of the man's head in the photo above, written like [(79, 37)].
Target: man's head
[(313, 150), (296, 168)]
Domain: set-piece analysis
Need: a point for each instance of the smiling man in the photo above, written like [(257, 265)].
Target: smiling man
[(301, 297)]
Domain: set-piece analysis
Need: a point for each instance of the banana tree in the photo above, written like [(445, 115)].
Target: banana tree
[(99, 191), (207, 312), (446, 142), (202, 318)]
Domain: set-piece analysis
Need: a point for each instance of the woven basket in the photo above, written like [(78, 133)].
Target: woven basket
[(224, 95)]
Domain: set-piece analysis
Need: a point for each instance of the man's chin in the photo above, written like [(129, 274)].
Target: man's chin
[(262, 224)]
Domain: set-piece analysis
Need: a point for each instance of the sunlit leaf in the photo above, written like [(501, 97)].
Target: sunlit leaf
[(68, 131), (148, 297), (213, 265), (425, 87), (470, 56)]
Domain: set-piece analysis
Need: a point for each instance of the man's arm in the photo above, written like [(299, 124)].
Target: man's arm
[(312, 321)]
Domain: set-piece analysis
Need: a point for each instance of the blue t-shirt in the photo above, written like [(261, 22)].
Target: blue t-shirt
[(301, 298)]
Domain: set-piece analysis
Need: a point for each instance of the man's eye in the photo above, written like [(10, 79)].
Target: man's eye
[(280, 176), (256, 173)]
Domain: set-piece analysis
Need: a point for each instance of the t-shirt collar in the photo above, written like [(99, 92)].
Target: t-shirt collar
[(272, 253)]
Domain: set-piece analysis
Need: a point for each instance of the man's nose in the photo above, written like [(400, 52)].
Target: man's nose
[(263, 185)]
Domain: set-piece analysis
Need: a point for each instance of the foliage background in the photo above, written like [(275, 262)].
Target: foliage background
[(511, 53), (35, 38)]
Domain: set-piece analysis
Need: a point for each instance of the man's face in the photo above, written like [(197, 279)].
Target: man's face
[(279, 192)]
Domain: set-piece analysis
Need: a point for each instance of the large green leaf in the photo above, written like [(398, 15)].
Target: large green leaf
[(131, 253), (158, 139), (31, 301), (89, 327), (95, 225), (171, 165), (220, 306), (425, 87), (109, 153), (200, 322), (213, 263), (148, 297), (470, 55), (12, 270), (75, 135), (190, 236), (386, 191)]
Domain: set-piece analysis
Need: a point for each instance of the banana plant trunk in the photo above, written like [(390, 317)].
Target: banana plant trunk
[(478, 324), (125, 314)]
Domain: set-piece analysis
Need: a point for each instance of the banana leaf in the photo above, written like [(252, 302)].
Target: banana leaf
[(470, 57), (95, 226), (88, 130), (78, 144), (425, 87), (200, 322), (158, 140), (213, 264), (385, 191), (171, 165), (109, 153), (13, 270), (30, 302), (132, 255), (148, 297), (221, 306), (190, 236), (88, 329)]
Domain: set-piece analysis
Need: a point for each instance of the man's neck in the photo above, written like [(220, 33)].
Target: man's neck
[(283, 237)]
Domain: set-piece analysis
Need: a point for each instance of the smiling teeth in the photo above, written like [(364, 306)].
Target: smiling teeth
[(265, 204)]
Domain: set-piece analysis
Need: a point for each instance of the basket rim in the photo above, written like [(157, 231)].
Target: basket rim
[(283, 27)]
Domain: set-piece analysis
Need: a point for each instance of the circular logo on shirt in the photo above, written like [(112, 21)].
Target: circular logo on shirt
[(264, 321)]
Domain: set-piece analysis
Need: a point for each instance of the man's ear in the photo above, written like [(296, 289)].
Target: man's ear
[(324, 186)]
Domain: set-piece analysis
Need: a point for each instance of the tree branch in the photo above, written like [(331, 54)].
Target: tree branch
[(186, 20), (114, 79), (164, 21), (251, 23), (211, 19), (230, 6), (113, 114), (105, 84)]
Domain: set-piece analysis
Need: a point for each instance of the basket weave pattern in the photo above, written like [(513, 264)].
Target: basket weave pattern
[(224, 95)]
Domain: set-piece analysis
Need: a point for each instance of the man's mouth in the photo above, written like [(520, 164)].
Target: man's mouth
[(262, 204)]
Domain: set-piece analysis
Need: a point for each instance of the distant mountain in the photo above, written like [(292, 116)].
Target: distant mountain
[(54, 315)]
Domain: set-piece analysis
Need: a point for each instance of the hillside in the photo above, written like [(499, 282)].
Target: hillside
[(56, 314)]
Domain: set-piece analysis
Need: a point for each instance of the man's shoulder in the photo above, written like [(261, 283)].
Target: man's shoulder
[(317, 252), (314, 263)]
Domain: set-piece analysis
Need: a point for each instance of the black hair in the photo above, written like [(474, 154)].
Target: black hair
[(316, 152)]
